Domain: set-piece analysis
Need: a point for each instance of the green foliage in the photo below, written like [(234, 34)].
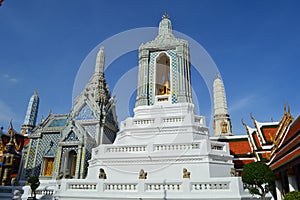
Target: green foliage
[(34, 183), (258, 178), (295, 195)]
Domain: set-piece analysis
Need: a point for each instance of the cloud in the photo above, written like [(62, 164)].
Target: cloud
[(241, 103), (13, 80), (9, 78), (6, 112)]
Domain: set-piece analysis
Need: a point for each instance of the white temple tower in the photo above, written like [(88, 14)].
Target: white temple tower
[(164, 151), (31, 114), (164, 68), (222, 124)]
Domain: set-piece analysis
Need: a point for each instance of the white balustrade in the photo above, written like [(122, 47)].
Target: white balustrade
[(126, 149), (163, 186), (45, 192), (83, 186), (173, 147), (120, 187), (143, 121), (210, 186), (173, 119)]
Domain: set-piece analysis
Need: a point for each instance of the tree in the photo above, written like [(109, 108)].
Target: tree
[(295, 195), (258, 178), (34, 183)]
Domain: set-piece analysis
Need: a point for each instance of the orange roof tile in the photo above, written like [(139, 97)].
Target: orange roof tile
[(239, 147), (269, 132)]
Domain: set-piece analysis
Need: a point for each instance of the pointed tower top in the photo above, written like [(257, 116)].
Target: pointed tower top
[(32, 110), (11, 129), (221, 116), (165, 25), (99, 68), (165, 15)]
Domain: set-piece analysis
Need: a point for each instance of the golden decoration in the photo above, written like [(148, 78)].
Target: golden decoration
[(186, 173)]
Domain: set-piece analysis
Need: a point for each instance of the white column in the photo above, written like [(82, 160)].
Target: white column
[(292, 180), (77, 172), (278, 189)]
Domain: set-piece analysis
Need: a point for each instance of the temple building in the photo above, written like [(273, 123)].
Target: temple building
[(11, 145), (275, 143), (61, 145), (163, 152)]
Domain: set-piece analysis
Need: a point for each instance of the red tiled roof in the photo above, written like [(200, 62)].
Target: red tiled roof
[(269, 132), (289, 157), (294, 128), (239, 147), (288, 149), (243, 162), (256, 140)]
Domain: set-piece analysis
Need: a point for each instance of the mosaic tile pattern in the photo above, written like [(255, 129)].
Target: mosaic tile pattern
[(173, 70), (71, 137), (172, 54), (58, 122), (85, 114), (39, 148), (91, 129)]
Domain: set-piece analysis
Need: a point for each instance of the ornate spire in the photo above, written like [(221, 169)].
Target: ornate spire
[(221, 117), (165, 15), (220, 104), (101, 93), (165, 25), (31, 114), (99, 68)]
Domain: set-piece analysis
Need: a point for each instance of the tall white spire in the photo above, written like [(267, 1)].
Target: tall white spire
[(99, 68), (31, 114), (222, 124)]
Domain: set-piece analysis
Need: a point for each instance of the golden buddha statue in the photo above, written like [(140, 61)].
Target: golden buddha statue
[(165, 89)]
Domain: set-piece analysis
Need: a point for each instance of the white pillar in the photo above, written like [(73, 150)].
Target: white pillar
[(78, 161), (292, 180), (278, 189)]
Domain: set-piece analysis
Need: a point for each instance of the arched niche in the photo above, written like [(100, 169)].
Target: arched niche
[(162, 76)]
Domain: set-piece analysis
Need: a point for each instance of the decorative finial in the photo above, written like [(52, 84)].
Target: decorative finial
[(284, 108), (289, 109), (165, 16), (35, 92), (242, 120), (251, 116), (10, 123), (11, 129), (218, 76)]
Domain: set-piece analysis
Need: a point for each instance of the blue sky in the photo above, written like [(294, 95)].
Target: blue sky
[(255, 45)]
